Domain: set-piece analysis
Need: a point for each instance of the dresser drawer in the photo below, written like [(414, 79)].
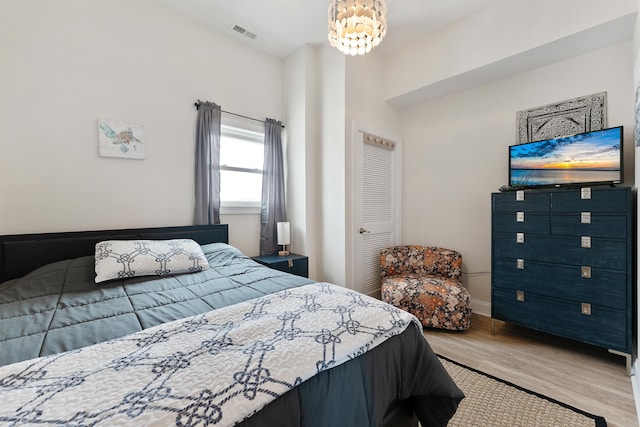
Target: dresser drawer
[(603, 327), (604, 253), (607, 287), (533, 202), (599, 225), (602, 200), (521, 222)]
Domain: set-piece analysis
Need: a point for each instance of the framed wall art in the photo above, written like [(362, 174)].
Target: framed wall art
[(120, 139)]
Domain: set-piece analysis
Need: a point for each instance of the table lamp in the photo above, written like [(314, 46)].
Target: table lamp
[(284, 237)]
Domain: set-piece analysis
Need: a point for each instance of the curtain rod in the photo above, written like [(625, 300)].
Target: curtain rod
[(197, 104)]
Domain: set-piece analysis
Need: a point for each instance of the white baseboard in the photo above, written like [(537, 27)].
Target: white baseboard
[(482, 308)]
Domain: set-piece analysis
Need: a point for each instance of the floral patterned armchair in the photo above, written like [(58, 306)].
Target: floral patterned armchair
[(426, 281)]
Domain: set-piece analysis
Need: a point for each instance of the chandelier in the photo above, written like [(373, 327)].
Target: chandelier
[(357, 26)]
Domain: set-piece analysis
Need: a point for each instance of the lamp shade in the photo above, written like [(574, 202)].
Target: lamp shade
[(284, 233)]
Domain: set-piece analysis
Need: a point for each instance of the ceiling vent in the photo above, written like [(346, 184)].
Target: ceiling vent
[(239, 29)]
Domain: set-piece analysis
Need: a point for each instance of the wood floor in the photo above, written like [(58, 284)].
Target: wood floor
[(583, 376)]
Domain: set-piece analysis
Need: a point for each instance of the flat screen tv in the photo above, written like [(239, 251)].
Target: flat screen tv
[(589, 158)]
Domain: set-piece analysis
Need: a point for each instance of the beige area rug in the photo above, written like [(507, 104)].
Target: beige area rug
[(492, 402)]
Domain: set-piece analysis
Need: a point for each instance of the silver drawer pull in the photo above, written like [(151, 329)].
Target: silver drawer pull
[(585, 272), (519, 216), (290, 263), (585, 308), (585, 193), (520, 296), (520, 264), (519, 237), (520, 195), (585, 217), (585, 242)]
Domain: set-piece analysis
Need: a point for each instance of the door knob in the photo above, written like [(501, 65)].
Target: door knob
[(362, 231)]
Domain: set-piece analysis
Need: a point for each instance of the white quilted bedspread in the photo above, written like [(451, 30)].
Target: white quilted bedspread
[(216, 368)]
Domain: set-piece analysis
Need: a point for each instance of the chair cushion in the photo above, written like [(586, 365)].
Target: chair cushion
[(437, 302)]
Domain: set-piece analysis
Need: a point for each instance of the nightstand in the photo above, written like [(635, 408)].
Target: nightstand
[(292, 263)]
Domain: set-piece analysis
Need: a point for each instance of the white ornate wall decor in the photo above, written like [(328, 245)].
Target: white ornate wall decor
[(569, 117)]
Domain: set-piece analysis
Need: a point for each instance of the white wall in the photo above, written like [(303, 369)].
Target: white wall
[(65, 63), (302, 141), (509, 37), (365, 108), (315, 99), (331, 173), (455, 151)]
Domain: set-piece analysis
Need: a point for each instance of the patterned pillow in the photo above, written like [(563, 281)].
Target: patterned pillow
[(119, 259)]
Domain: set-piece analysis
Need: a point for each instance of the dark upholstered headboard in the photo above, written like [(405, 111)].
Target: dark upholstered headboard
[(22, 253)]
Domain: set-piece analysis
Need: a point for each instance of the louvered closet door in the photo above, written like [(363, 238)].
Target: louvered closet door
[(377, 209)]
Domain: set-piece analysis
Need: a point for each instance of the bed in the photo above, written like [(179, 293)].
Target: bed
[(235, 343)]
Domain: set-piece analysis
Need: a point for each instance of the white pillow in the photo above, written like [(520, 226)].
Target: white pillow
[(119, 259)]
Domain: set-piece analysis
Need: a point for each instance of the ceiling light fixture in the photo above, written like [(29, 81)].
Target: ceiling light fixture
[(357, 26)]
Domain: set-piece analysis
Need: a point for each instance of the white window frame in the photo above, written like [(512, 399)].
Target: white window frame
[(231, 207)]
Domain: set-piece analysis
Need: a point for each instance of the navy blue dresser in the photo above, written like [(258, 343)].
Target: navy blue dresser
[(562, 263)]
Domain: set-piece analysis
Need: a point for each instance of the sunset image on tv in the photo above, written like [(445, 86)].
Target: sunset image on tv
[(583, 158)]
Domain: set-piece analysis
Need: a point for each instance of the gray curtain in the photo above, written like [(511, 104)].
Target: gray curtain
[(273, 201), (207, 207)]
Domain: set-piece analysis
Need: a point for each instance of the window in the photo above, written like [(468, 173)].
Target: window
[(241, 163)]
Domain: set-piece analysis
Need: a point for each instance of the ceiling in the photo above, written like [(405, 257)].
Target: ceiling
[(282, 26)]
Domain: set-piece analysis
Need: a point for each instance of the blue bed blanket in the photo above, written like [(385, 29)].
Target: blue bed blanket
[(59, 307)]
